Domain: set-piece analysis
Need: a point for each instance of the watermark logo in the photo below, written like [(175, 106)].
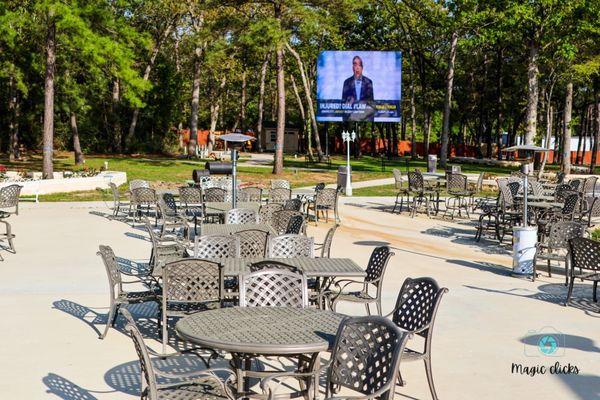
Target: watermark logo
[(545, 342)]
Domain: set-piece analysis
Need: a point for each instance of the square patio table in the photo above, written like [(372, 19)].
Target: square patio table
[(230, 229), (221, 207)]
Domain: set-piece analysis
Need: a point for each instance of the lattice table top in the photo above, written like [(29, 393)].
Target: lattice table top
[(228, 229), (315, 267), (262, 330), (218, 207)]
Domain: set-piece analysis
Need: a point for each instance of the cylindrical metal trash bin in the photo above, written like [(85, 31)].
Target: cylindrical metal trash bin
[(341, 177), (431, 163), (524, 247)]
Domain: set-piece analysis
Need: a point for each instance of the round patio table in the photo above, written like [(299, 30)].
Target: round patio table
[(248, 332)]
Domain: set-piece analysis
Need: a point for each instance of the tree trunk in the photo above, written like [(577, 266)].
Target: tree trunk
[(154, 53), (195, 94), (309, 102), (48, 134), (214, 115), (413, 111), (580, 136), (546, 143), (566, 159), (278, 165), (499, 110), (13, 107), (596, 133), (426, 132), (448, 100), (261, 101), (76, 143), (243, 103), (532, 92), (306, 127), (116, 118)]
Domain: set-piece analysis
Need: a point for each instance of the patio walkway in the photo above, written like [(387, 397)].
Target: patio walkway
[(54, 296)]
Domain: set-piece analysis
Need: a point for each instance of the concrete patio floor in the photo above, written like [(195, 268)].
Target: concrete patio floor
[(54, 296)]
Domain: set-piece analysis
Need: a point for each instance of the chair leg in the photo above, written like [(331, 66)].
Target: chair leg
[(368, 308), (378, 304), (570, 292), (595, 296), (549, 269), (9, 235), (109, 321), (429, 373), (165, 333)]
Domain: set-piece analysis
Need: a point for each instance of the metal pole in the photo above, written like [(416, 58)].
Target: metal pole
[(348, 184), (233, 177), (525, 190), (327, 139)]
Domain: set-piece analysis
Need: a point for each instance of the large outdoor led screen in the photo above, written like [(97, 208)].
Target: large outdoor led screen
[(359, 86)]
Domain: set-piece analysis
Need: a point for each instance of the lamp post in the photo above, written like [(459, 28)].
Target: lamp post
[(235, 140), (348, 137)]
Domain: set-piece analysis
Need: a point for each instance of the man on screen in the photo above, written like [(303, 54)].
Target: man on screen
[(357, 88)]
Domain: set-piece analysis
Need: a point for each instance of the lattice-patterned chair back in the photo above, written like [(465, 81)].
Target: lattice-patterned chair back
[(192, 281), (189, 195), (266, 213), (216, 246), (280, 184), (151, 232), (290, 246), (295, 225), (9, 196), (536, 187), (293, 205), (326, 198), (366, 357), (584, 254), (138, 183), (112, 270), (253, 243), (590, 185), (279, 195), (571, 203), (514, 187), (281, 220), (561, 192), (456, 183), (115, 192), (417, 305), (560, 177), (240, 216), (594, 208), (215, 194), (415, 181), (559, 234), (273, 288), (575, 184), (143, 195), (506, 196), (326, 249), (377, 265), (149, 387), (250, 194), (168, 205)]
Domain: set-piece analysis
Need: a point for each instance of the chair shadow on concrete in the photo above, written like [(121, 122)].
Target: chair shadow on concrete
[(555, 293), (126, 377), (584, 386), (372, 243), (67, 390), (467, 237), (483, 266), (145, 315)]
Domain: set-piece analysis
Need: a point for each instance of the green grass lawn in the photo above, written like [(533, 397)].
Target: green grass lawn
[(390, 190)]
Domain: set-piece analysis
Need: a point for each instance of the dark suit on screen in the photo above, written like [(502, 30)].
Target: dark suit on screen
[(349, 91)]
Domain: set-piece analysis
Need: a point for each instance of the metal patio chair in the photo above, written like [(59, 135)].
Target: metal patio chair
[(281, 220), (191, 201), (293, 205), (171, 217), (216, 246), (250, 194), (279, 195), (584, 255), (325, 200), (291, 246), (118, 295), (415, 311), (196, 385), (253, 243), (9, 198), (556, 243), (365, 359), (402, 191), (295, 225), (267, 211), (373, 280), (241, 216), (280, 184), (189, 286), (140, 197), (325, 247), (215, 194), (165, 248), (118, 204)]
